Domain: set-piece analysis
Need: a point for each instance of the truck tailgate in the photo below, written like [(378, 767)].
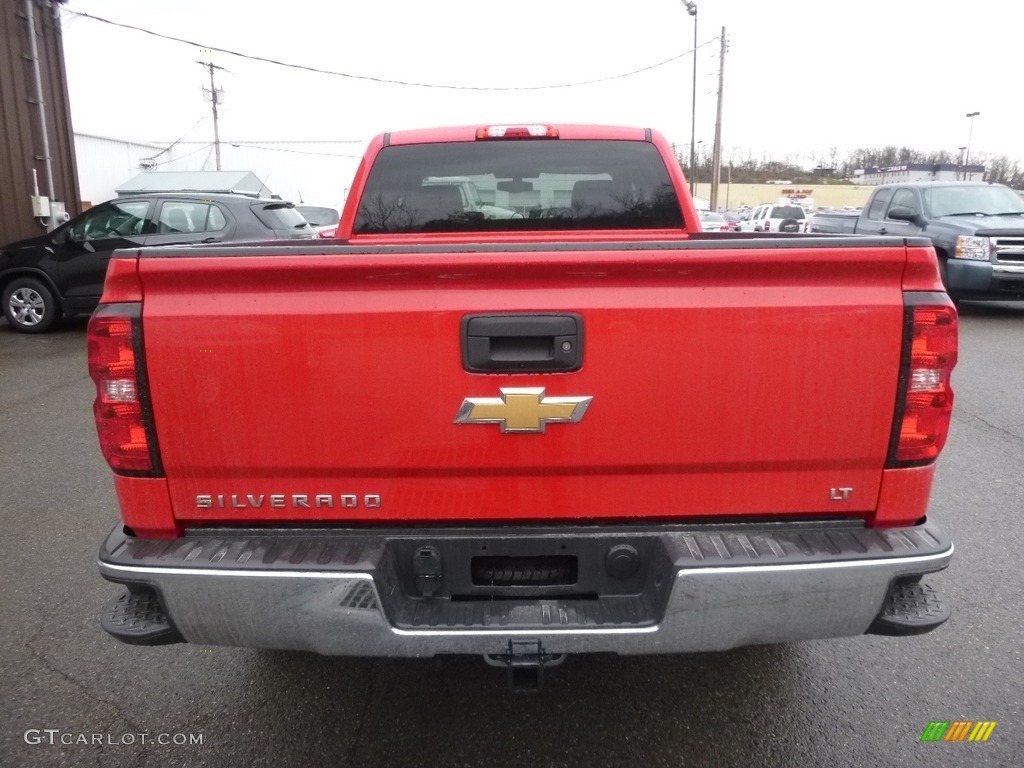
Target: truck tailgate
[(753, 379)]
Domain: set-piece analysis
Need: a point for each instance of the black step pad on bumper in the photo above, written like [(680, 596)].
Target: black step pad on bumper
[(910, 609), (138, 618)]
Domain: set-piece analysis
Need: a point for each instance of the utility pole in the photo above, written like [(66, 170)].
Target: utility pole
[(214, 99), (37, 87), (716, 163)]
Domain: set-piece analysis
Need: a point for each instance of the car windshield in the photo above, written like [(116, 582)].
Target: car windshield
[(517, 186), (989, 200), (318, 216)]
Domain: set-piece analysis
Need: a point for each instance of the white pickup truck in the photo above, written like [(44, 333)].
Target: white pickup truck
[(472, 201)]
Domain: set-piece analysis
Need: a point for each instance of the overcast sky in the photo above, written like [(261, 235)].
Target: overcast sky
[(800, 77)]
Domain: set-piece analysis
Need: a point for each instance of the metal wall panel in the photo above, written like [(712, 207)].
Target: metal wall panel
[(104, 163)]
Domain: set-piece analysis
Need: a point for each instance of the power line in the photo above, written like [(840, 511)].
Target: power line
[(296, 141), (177, 140), (293, 151), (176, 159), (203, 166), (385, 80)]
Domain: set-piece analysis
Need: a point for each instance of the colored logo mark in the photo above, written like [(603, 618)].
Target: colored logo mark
[(958, 730)]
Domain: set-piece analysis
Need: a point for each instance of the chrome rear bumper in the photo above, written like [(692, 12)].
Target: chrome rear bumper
[(697, 588)]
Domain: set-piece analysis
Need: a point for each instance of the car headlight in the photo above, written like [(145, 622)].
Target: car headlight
[(976, 248)]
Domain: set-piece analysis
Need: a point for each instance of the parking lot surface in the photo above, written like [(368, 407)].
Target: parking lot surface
[(859, 701)]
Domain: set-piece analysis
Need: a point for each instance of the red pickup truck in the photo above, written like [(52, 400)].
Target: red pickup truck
[(580, 425)]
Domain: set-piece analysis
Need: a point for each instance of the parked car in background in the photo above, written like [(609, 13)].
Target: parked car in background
[(714, 222), (323, 218), (61, 272), (732, 218), (775, 218)]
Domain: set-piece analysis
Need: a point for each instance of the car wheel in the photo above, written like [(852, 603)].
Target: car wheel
[(30, 306)]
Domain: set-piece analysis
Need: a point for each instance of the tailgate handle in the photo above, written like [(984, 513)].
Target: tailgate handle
[(522, 343)]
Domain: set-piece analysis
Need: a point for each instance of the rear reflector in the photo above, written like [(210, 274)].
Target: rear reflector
[(925, 398), (517, 132), (121, 408)]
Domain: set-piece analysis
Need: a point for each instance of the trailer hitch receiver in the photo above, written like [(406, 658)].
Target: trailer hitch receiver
[(525, 661)]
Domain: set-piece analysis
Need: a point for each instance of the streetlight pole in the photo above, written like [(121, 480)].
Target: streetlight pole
[(970, 132), (691, 8)]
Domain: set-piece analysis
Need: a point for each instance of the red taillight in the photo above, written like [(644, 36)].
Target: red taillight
[(929, 355), (121, 405), (767, 225), (517, 132)]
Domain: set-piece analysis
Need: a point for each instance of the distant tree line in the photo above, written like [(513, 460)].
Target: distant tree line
[(831, 168)]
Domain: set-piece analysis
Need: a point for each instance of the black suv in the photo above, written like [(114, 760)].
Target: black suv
[(61, 273)]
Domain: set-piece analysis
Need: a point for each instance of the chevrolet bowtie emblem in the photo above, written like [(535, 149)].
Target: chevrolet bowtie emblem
[(522, 409)]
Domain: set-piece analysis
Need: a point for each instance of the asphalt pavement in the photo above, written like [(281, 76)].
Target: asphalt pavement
[(72, 696)]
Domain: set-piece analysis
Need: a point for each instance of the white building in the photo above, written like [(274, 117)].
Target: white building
[(315, 172), (919, 172), (103, 163)]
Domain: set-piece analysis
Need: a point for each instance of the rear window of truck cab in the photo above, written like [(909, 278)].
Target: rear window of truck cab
[(518, 186)]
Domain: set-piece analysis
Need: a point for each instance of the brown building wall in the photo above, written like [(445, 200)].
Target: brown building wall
[(21, 145)]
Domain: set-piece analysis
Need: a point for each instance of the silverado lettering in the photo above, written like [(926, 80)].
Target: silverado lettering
[(737, 388), (282, 501)]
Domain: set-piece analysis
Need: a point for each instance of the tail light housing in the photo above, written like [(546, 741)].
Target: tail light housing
[(925, 396), (124, 416), (767, 225)]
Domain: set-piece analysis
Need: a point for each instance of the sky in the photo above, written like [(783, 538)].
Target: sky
[(801, 78)]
